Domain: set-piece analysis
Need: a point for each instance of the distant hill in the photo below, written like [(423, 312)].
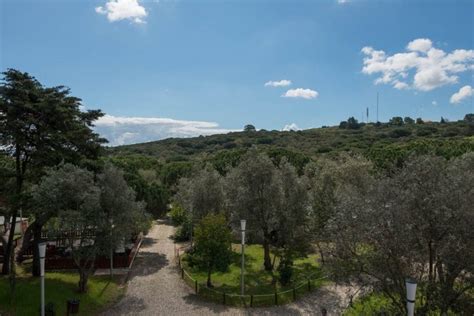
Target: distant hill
[(311, 143)]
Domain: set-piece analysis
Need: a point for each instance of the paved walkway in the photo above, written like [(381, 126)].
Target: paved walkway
[(155, 288)]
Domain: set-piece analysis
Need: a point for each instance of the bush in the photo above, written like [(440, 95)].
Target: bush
[(177, 214), (286, 272), (183, 233), (400, 132)]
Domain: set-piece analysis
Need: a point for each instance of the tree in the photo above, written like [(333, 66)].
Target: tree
[(469, 118), (97, 216), (352, 123), (201, 194), (252, 192), (40, 127), (415, 222), (325, 180), (396, 120), (213, 239), (419, 121), (249, 128), (291, 235), (408, 120)]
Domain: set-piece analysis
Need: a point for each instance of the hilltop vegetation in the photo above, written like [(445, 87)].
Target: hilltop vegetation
[(311, 143)]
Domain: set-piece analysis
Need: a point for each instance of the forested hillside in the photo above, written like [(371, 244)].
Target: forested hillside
[(349, 136), (154, 168)]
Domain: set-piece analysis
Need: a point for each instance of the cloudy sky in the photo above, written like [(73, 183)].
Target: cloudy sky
[(180, 68)]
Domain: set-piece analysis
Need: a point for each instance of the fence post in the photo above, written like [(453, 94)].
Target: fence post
[(223, 298), (276, 297), (196, 285), (251, 300), (294, 294), (182, 273), (309, 285)]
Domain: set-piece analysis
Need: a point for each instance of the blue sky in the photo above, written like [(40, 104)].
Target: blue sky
[(189, 67)]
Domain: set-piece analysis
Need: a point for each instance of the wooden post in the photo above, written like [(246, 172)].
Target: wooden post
[(309, 285), (276, 297), (223, 298), (294, 294), (196, 285), (182, 273), (251, 300)]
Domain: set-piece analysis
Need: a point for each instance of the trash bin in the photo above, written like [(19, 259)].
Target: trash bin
[(73, 306)]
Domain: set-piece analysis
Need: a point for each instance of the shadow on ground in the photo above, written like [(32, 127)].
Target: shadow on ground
[(147, 263)]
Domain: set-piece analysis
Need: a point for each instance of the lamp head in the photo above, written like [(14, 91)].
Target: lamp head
[(411, 289), (42, 249), (243, 223)]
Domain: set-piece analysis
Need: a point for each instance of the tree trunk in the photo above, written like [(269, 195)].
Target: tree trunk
[(8, 255), (267, 261), (8, 251), (83, 278), (209, 284)]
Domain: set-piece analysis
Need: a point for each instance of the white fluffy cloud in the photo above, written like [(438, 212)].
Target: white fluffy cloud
[(463, 93), (121, 130), (431, 67), (281, 83), (291, 127), (301, 93), (342, 1), (117, 10)]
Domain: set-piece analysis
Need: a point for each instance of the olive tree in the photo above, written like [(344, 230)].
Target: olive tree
[(212, 249), (253, 190), (97, 215), (201, 194), (416, 222)]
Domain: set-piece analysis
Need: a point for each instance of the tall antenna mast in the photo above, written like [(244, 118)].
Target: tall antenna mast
[(367, 113), (377, 106)]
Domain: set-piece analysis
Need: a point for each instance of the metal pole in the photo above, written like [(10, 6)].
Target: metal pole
[(243, 267), (42, 254)]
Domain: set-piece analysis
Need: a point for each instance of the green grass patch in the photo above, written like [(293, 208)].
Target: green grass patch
[(257, 280), (59, 287)]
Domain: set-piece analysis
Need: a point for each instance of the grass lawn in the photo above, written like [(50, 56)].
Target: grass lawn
[(257, 280), (59, 287)]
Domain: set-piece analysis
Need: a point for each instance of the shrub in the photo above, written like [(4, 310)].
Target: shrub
[(400, 132), (178, 215)]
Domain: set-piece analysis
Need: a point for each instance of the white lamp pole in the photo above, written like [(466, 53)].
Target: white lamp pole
[(42, 254), (411, 296), (242, 227)]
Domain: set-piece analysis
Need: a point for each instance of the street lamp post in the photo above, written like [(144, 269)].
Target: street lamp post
[(42, 254), (411, 296), (242, 227)]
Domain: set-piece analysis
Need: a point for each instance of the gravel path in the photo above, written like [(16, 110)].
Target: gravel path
[(155, 288)]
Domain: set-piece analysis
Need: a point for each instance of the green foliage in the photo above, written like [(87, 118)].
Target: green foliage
[(249, 128), (400, 132), (396, 120), (373, 304), (177, 214), (408, 120), (171, 172), (388, 156), (183, 232), (285, 268), (212, 244)]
